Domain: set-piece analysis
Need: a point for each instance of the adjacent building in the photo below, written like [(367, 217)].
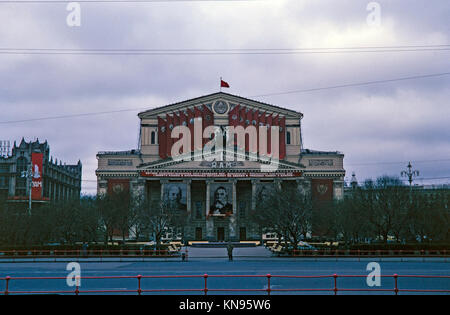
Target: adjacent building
[(219, 195), (49, 180)]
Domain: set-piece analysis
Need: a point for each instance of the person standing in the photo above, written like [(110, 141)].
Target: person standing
[(230, 251)]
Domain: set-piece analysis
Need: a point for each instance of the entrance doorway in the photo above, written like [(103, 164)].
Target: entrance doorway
[(221, 234), (243, 234), (198, 234)]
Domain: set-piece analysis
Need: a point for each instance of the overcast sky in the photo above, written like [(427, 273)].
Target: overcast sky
[(378, 127)]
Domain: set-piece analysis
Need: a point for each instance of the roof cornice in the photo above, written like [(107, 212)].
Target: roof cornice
[(211, 97)]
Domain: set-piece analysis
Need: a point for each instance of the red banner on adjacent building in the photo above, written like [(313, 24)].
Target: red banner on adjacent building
[(36, 177)]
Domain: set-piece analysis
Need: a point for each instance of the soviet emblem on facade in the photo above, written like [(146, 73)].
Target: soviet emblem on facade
[(322, 189), (118, 188), (220, 107)]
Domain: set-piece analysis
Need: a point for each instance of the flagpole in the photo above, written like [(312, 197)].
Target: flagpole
[(220, 84)]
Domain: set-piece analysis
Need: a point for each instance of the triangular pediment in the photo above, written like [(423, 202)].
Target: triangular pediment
[(210, 100), (239, 162)]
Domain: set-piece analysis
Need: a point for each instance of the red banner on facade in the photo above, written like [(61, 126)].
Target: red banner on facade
[(118, 185), (221, 174), (36, 177), (322, 189)]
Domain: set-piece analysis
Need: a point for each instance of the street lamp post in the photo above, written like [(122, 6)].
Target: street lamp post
[(28, 174), (410, 174)]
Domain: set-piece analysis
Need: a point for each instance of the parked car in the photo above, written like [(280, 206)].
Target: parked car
[(305, 246)]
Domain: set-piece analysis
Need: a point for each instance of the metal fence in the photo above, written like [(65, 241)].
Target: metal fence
[(143, 254), (51, 253), (206, 288)]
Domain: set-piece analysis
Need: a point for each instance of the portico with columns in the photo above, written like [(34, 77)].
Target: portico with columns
[(151, 170)]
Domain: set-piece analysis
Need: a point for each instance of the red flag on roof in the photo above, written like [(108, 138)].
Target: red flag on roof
[(224, 84)]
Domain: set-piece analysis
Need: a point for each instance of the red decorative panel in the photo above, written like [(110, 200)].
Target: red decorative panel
[(248, 122), (234, 113), (255, 123), (118, 185), (269, 134), (238, 116), (176, 122), (198, 114), (233, 119), (208, 120), (183, 118), (322, 189), (242, 116)]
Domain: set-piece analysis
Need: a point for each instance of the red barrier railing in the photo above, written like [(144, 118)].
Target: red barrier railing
[(94, 253), (366, 253), (99, 253), (205, 289)]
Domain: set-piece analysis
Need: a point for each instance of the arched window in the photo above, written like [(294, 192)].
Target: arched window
[(21, 182), (288, 137), (153, 138)]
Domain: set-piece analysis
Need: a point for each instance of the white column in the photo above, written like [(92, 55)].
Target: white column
[(338, 189), (233, 224), (188, 195), (254, 182), (209, 220), (208, 190), (278, 183), (163, 185)]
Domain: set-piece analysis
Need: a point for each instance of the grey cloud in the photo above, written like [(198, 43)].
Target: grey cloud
[(360, 121)]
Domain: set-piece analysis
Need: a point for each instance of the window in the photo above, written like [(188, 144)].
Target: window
[(242, 234), (21, 182), (242, 206), (4, 168), (153, 137), (198, 234), (198, 210), (4, 182), (288, 137)]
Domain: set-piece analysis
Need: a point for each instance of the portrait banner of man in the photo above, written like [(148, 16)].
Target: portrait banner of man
[(221, 199), (175, 196), (263, 191)]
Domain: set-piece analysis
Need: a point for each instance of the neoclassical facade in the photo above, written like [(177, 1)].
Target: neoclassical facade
[(217, 192)]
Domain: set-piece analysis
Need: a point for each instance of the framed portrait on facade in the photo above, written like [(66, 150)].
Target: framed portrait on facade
[(263, 191), (175, 196), (221, 196)]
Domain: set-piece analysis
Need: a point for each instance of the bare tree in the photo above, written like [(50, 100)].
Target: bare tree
[(286, 212), (351, 219), (386, 202)]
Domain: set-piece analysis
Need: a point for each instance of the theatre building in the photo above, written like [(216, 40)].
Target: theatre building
[(218, 187)]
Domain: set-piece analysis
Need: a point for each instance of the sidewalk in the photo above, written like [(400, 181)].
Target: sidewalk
[(238, 252)]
